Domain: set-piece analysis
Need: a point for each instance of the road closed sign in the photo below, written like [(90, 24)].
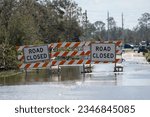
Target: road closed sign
[(36, 54), (103, 52)]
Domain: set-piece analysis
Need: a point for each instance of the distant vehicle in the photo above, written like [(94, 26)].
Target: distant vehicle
[(143, 43), (142, 48), (136, 48), (128, 46)]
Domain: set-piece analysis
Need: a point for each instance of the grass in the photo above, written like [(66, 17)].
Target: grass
[(8, 73)]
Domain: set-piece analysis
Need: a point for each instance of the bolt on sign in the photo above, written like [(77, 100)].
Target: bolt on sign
[(36, 54), (103, 52)]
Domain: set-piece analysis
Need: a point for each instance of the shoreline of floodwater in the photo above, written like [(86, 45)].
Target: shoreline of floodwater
[(9, 73)]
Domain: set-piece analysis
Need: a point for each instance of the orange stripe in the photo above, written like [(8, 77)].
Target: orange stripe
[(19, 65), (82, 54), (71, 62), (22, 58), (27, 66), (74, 53), (105, 62), (65, 53), (45, 64), (88, 62), (56, 54), (59, 45), (76, 44), (80, 62), (36, 65), (68, 44), (118, 43), (62, 62), (54, 62), (116, 61), (51, 46), (96, 62), (117, 51), (88, 53)]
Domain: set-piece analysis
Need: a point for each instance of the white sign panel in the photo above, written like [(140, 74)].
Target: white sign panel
[(103, 52), (36, 53)]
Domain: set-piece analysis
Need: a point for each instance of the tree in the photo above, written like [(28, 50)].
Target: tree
[(144, 27), (100, 30), (68, 16), (111, 22)]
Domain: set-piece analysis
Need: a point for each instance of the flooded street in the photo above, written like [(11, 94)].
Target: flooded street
[(102, 83)]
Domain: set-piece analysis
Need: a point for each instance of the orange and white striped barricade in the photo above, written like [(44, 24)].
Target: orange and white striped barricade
[(58, 47)]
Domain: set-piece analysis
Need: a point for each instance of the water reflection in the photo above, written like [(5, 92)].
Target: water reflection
[(15, 80), (41, 76), (69, 75)]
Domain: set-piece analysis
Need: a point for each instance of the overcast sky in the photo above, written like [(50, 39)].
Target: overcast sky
[(132, 10)]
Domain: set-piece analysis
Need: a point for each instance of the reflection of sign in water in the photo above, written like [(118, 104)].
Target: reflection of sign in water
[(103, 52), (37, 53)]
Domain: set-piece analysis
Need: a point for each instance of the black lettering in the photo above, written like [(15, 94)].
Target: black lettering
[(105, 49), (33, 50), (30, 51), (40, 110), (101, 48), (28, 57), (94, 55), (111, 55), (41, 49), (67, 109), (34, 57), (52, 109), (104, 55), (97, 48), (38, 56), (101, 55), (107, 55), (48, 110), (56, 110), (108, 48), (16, 110), (37, 50), (45, 55)]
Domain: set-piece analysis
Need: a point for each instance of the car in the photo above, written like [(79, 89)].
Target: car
[(136, 48), (128, 46), (142, 48)]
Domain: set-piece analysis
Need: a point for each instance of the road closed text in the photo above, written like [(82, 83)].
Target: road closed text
[(34, 54), (103, 52), (103, 55)]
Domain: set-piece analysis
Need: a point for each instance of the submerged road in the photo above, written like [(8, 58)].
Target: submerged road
[(101, 84)]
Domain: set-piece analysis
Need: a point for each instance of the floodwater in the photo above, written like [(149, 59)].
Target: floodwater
[(102, 84)]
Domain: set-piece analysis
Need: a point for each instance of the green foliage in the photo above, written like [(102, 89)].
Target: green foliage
[(8, 58), (34, 22)]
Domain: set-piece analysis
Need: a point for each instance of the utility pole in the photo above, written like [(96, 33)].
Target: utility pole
[(108, 25), (122, 17), (85, 22)]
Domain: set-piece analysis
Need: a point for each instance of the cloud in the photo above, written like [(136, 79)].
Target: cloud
[(132, 9)]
